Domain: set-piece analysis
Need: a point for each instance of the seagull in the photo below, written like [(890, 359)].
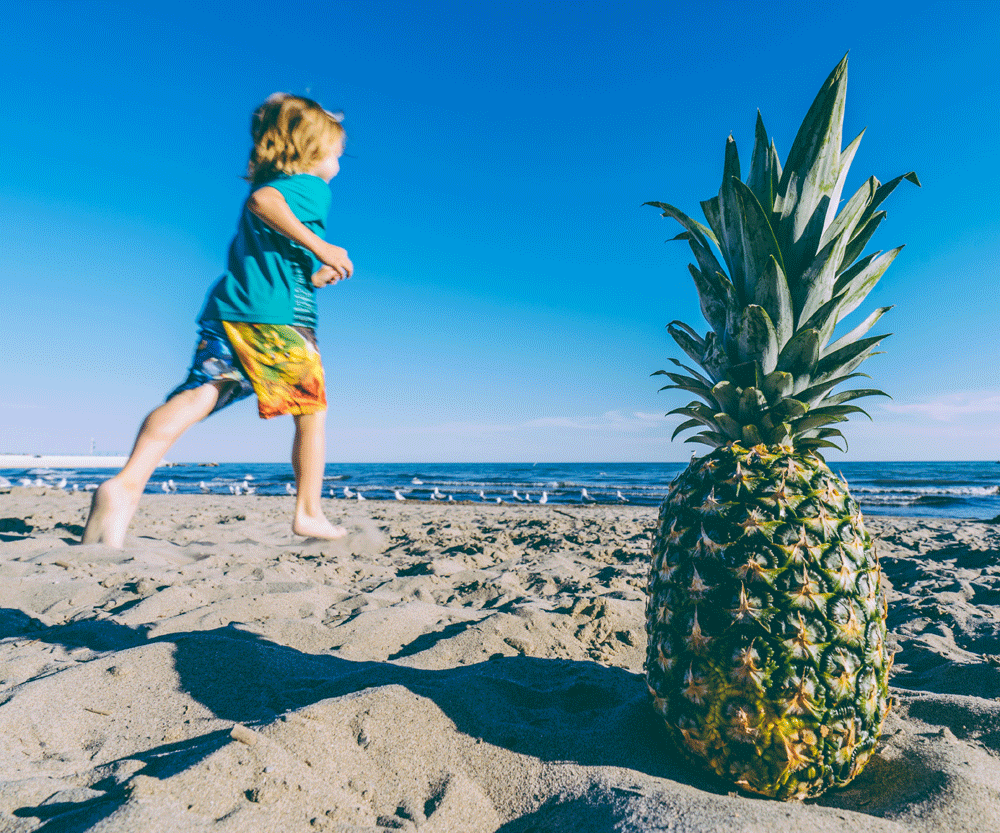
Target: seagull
[(165, 487), (527, 497), (249, 477), (437, 494), (622, 497), (61, 484), (481, 495), (204, 488), (289, 489), (171, 485), (515, 495), (348, 492), (238, 489), (25, 481), (584, 496), (451, 498), (499, 500), (39, 483), (248, 489), (417, 481), (398, 494), (76, 488), (360, 496), (544, 498), (332, 493)]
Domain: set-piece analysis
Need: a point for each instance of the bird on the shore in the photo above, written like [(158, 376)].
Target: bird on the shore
[(26, 482), (398, 494), (584, 496), (622, 497), (417, 481), (289, 489), (90, 487), (165, 487), (360, 496), (332, 493), (204, 487), (481, 495), (515, 495), (436, 495), (544, 498), (76, 488), (527, 497), (499, 500), (347, 492), (61, 484), (451, 498)]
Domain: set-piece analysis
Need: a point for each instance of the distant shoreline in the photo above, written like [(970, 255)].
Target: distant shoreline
[(61, 461)]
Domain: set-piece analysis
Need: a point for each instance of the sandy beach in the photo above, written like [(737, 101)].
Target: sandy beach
[(465, 667)]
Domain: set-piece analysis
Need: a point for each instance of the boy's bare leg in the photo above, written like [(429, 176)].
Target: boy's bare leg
[(115, 500), (309, 462)]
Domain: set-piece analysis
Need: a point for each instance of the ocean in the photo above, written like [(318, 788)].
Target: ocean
[(948, 490)]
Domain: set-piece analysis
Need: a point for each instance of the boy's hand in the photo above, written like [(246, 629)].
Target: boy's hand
[(325, 276), (335, 258)]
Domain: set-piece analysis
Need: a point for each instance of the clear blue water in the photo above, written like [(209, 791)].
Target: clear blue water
[(951, 490)]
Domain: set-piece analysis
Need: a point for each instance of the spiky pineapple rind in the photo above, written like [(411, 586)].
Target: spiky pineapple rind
[(767, 648)]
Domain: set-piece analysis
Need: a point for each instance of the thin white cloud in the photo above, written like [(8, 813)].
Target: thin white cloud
[(608, 421), (950, 407)]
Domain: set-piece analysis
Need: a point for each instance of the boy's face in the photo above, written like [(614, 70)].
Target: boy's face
[(329, 167)]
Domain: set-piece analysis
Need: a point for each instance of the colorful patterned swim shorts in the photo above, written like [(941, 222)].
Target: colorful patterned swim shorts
[(280, 363)]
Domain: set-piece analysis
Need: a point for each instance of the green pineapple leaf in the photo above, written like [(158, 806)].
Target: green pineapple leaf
[(729, 425), (845, 355), (799, 357), (846, 158), (777, 386), (710, 208), (687, 339), (856, 333), (717, 297), (727, 395), (863, 232), (756, 339), (690, 370), (810, 175), (848, 395), (760, 180), (771, 292), (815, 393), (860, 284), (684, 426)]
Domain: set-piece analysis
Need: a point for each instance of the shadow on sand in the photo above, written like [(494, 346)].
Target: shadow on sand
[(554, 710)]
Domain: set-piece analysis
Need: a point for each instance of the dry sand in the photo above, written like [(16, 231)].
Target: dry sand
[(445, 668)]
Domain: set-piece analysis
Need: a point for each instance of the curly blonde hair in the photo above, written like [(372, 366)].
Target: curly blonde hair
[(290, 135)]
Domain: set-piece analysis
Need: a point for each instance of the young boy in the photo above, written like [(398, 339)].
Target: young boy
[(258, 323)]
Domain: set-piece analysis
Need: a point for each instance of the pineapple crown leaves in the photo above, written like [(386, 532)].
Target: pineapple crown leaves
[(791, 270)]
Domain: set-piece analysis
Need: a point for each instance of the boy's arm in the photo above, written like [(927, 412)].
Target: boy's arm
[(269, 204)]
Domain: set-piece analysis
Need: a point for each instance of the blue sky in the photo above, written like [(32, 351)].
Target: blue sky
[(511, 293)]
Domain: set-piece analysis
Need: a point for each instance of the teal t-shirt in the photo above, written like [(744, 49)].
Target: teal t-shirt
[(267, 279)]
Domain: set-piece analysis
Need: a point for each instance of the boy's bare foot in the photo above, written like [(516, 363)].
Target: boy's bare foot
[(312, 526), (111, 511)]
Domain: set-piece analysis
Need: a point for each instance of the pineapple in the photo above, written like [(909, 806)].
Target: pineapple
[(766, 612)]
